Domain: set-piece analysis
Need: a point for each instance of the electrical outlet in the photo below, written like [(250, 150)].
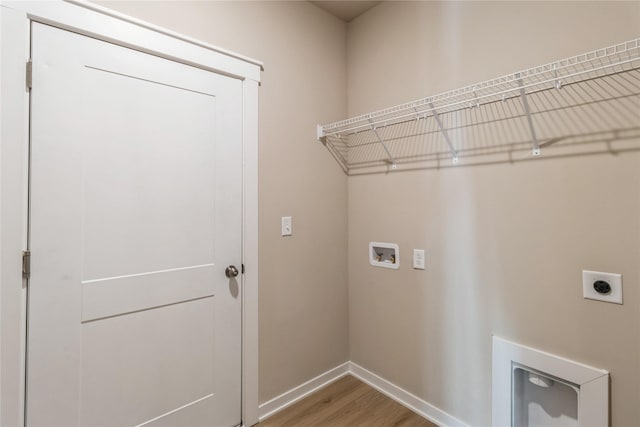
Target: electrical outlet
[(600, 286), (286, 226)]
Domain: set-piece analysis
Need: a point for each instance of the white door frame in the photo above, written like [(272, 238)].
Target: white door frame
[(101, 23)]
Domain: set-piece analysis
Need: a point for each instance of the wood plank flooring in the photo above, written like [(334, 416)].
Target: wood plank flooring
[(345, 403)]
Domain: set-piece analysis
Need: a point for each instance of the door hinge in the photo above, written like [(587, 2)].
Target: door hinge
[(242, 268), (26, 264), (29, 76)]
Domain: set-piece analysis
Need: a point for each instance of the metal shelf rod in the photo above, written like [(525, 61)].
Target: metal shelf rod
[(599, 54), (334, 128), (410, 118)]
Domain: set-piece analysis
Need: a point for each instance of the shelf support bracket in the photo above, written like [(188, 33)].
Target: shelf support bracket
[(454, 153), (525, 105), (386, 149), (558, 82)]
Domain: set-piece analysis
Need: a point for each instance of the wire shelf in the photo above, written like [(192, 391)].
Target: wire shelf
[(592, 97)]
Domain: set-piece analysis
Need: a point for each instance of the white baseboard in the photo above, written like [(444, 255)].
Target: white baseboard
[(265, 410), (403, 397), (406, 399)]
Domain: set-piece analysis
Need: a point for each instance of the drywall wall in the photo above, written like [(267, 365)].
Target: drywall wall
[(505, 243), (303, 278)]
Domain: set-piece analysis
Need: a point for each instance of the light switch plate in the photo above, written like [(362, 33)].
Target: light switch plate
[(418, 259), (589, 278), (286, 226)]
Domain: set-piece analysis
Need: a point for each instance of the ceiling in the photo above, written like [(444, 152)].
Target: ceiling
[(347, 9)]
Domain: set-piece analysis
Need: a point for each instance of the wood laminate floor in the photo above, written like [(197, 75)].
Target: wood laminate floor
[(345, 403)]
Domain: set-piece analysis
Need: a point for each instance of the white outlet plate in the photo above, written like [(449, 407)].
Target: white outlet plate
[(614, 280), (287, 227), (418, 259)]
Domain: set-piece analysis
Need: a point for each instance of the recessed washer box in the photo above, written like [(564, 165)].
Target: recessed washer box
[(385, 255)]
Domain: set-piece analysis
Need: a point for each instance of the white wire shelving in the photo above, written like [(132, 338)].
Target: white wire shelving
[(592, 97)]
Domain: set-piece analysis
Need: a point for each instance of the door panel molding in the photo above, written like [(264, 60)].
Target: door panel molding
[(130, 293)]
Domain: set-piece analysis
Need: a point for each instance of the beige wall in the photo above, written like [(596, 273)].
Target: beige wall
[(303, 278), (505, 244)]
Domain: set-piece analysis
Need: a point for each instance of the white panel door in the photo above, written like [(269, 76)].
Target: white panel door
[(135, 212)]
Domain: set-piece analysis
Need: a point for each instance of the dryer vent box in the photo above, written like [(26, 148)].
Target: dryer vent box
[(385, 255)]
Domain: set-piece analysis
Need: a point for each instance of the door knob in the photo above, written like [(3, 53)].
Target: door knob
[(231, 271)]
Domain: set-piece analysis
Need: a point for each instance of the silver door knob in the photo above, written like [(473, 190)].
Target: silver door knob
[(231, 271)]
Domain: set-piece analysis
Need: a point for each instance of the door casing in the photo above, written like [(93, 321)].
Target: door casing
[(104, 24)]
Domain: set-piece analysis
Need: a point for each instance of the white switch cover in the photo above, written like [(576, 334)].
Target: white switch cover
[(286, 226), (589, 278), (418, 259)]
